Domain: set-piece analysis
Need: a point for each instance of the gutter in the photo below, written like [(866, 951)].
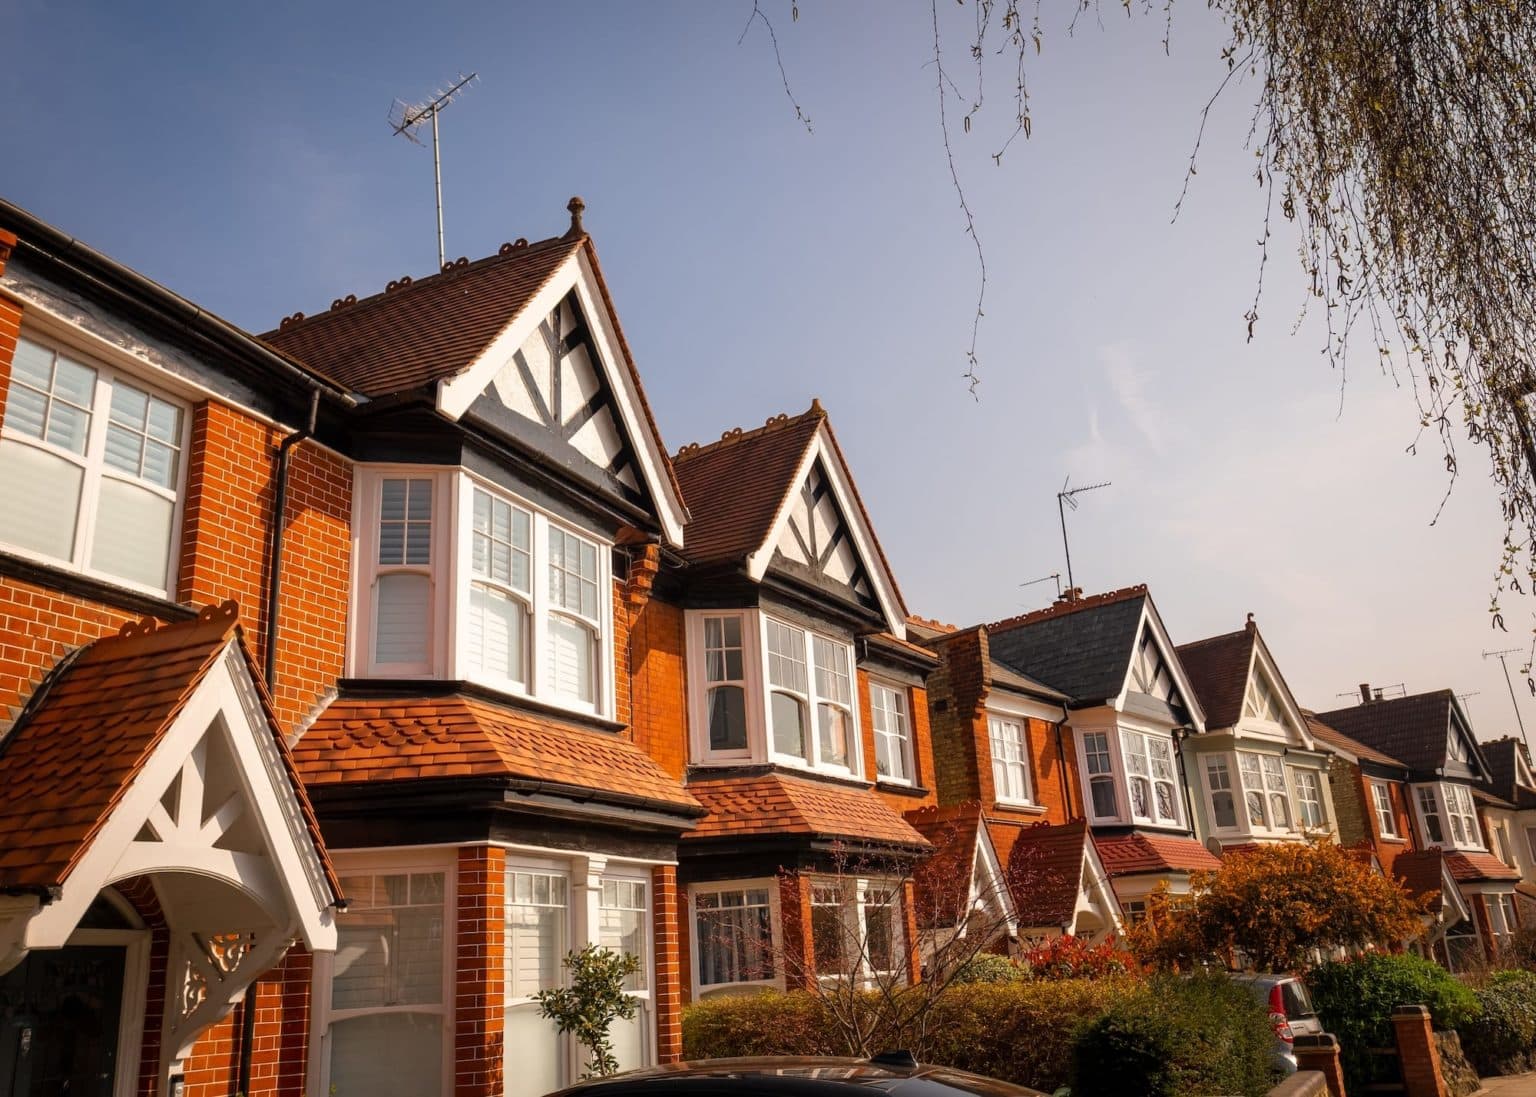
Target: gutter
[(119, 280)]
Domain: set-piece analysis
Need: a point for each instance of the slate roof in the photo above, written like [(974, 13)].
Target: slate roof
[(90, 727), (426, 331), (1217, 668), (780, 804), (1500, 756), (1142, 852), (360, 740), (1334, 737), (1415, 729), (1045, 873), (1081, 648)]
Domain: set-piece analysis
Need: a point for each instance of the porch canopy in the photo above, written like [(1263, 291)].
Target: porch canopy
[(153, 758)]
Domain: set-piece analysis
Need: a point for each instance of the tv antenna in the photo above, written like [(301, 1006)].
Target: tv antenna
[(1067, 497), (405, 119), (1056, 575), (1501, 656)]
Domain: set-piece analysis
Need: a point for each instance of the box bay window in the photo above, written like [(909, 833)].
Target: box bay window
[(530, 612), (91, 469), (893, 740), (1448, 816), (766, 689), (1149, 766)]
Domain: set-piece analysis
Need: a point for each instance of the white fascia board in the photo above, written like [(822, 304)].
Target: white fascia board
[(863, 537), (1150, 619), (455, 394), (1096, 881), (1292, 709), (1014, 704), (985, 861)]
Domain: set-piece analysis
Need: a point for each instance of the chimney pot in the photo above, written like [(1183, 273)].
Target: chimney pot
[(1365, 692)]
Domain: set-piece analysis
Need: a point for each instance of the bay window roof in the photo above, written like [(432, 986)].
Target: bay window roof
[(782, 804)]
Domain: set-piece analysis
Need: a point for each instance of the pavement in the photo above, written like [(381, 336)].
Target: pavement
[(1509, 1085)]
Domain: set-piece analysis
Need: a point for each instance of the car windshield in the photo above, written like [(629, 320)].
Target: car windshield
[(1297, 1002)]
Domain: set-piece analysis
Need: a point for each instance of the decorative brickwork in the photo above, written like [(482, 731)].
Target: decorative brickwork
[(480, 990), (667, 992)]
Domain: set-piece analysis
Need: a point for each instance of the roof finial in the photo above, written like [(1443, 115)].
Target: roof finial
[(1250, 625), (816, 408), (575, 206)]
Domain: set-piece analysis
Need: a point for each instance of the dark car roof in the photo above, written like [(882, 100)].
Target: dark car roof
[(784, 1076)]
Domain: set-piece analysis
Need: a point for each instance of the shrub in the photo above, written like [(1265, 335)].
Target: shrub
[(1069, 957), (1502, 1039), (770, 1023), (1177, 1037), (1355, 999), (988, 967)]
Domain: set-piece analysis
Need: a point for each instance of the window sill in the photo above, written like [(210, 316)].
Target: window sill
[(91, 589), (1393, 841), (1024, 807)]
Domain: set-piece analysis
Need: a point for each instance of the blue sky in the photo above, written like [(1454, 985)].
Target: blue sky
[(240, 155)]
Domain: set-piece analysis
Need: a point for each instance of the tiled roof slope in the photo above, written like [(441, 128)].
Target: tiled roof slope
[(1421, 872), (943, 880), (1334, 737), (88, 730), (1081, 648), (1138, 852), (1045, 873), (1218, 669), (1414, 729), (734, 487), (358, 739), (777, 803), (1469, 867), (1500, 756), (428, 330)]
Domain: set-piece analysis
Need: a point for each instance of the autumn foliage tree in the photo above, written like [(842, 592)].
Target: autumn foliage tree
[(1277, 904)]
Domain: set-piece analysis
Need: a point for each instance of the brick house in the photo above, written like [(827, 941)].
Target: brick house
[(1256, 775), (803, 726), (163, 886), (1007, 789), (1417, 790), (1509, 816), (1130, 709)]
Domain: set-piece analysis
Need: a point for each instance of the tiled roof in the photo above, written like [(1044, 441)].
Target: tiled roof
[(734, 487), (1414, 729), (1500, 756), (1421, 872), (1334, 737), (1138, 852), (926, 628), (425, 331), (1218, 670), (943, 880), (1081, 648), (363, 739), (91, 726), (1045, 873), (778, 803), (1466, 867)]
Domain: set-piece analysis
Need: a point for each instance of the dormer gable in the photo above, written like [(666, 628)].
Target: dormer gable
[(1241, 688), (780, 500), (1155, 674)]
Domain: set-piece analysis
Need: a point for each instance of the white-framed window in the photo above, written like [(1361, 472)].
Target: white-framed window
[(856, 929), (1386, 818), (624, 925), (1463, 815), (734, 933), (1501, 844), (1530, 841), (387, 1017), (1429, 814), (765, 689), (1448, 816), (1010, 759), (1266, 796), (893, 734), (1502, 907), (1457, 749), (1101, 775), (538, 933), (1150, 776), (1218, 785), (458, 578), (1309, 798), (92, 469)]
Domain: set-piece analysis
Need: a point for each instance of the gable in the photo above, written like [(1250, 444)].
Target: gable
[(1460, 745), (816, 535), (1154, 670), (558, 379), (1268, 700)]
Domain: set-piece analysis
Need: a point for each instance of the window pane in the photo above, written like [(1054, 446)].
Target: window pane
[(572, 650), (827, 934), (40, 498), (132, 539), (388, 1055), (25, 411), (1255, 802), (833, 724), (788, 715), (727, 718), (130, 407), (68, 428), (880, 930), (786, 657), (390, 951), (1141, 798), (622, 924), (537, 932), (74, 382), (1225, 810), (401, 618), (498, 634), (1166, 807), (1103, 797), (32, 365), (734, 935)]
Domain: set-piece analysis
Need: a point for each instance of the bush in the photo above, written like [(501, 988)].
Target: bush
[(770, 1023), (1177, 1037), (1355, 999), (1069, 957), (1502, 1039), (988, 968)]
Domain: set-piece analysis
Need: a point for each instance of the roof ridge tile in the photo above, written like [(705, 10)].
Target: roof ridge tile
[(731, 437), (1064, 607)]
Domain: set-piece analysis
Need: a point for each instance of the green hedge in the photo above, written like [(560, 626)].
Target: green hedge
[(1502, 1039), (1355, 999), (1027, 1033), (1197, 1035)]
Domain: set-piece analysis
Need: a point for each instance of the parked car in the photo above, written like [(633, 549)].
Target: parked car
[(1290, 1011), (896, 1074)]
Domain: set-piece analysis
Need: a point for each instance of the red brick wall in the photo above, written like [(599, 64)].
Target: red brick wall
[(955, 693), (481, 941), (922, 746), (799, 954), (670, 960), (659, 684), (1050, 771)]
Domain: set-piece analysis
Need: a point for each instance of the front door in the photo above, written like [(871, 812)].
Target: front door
[(59, 1013)]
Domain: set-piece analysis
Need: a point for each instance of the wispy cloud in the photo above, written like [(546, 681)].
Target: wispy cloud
[(1128, 382)]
